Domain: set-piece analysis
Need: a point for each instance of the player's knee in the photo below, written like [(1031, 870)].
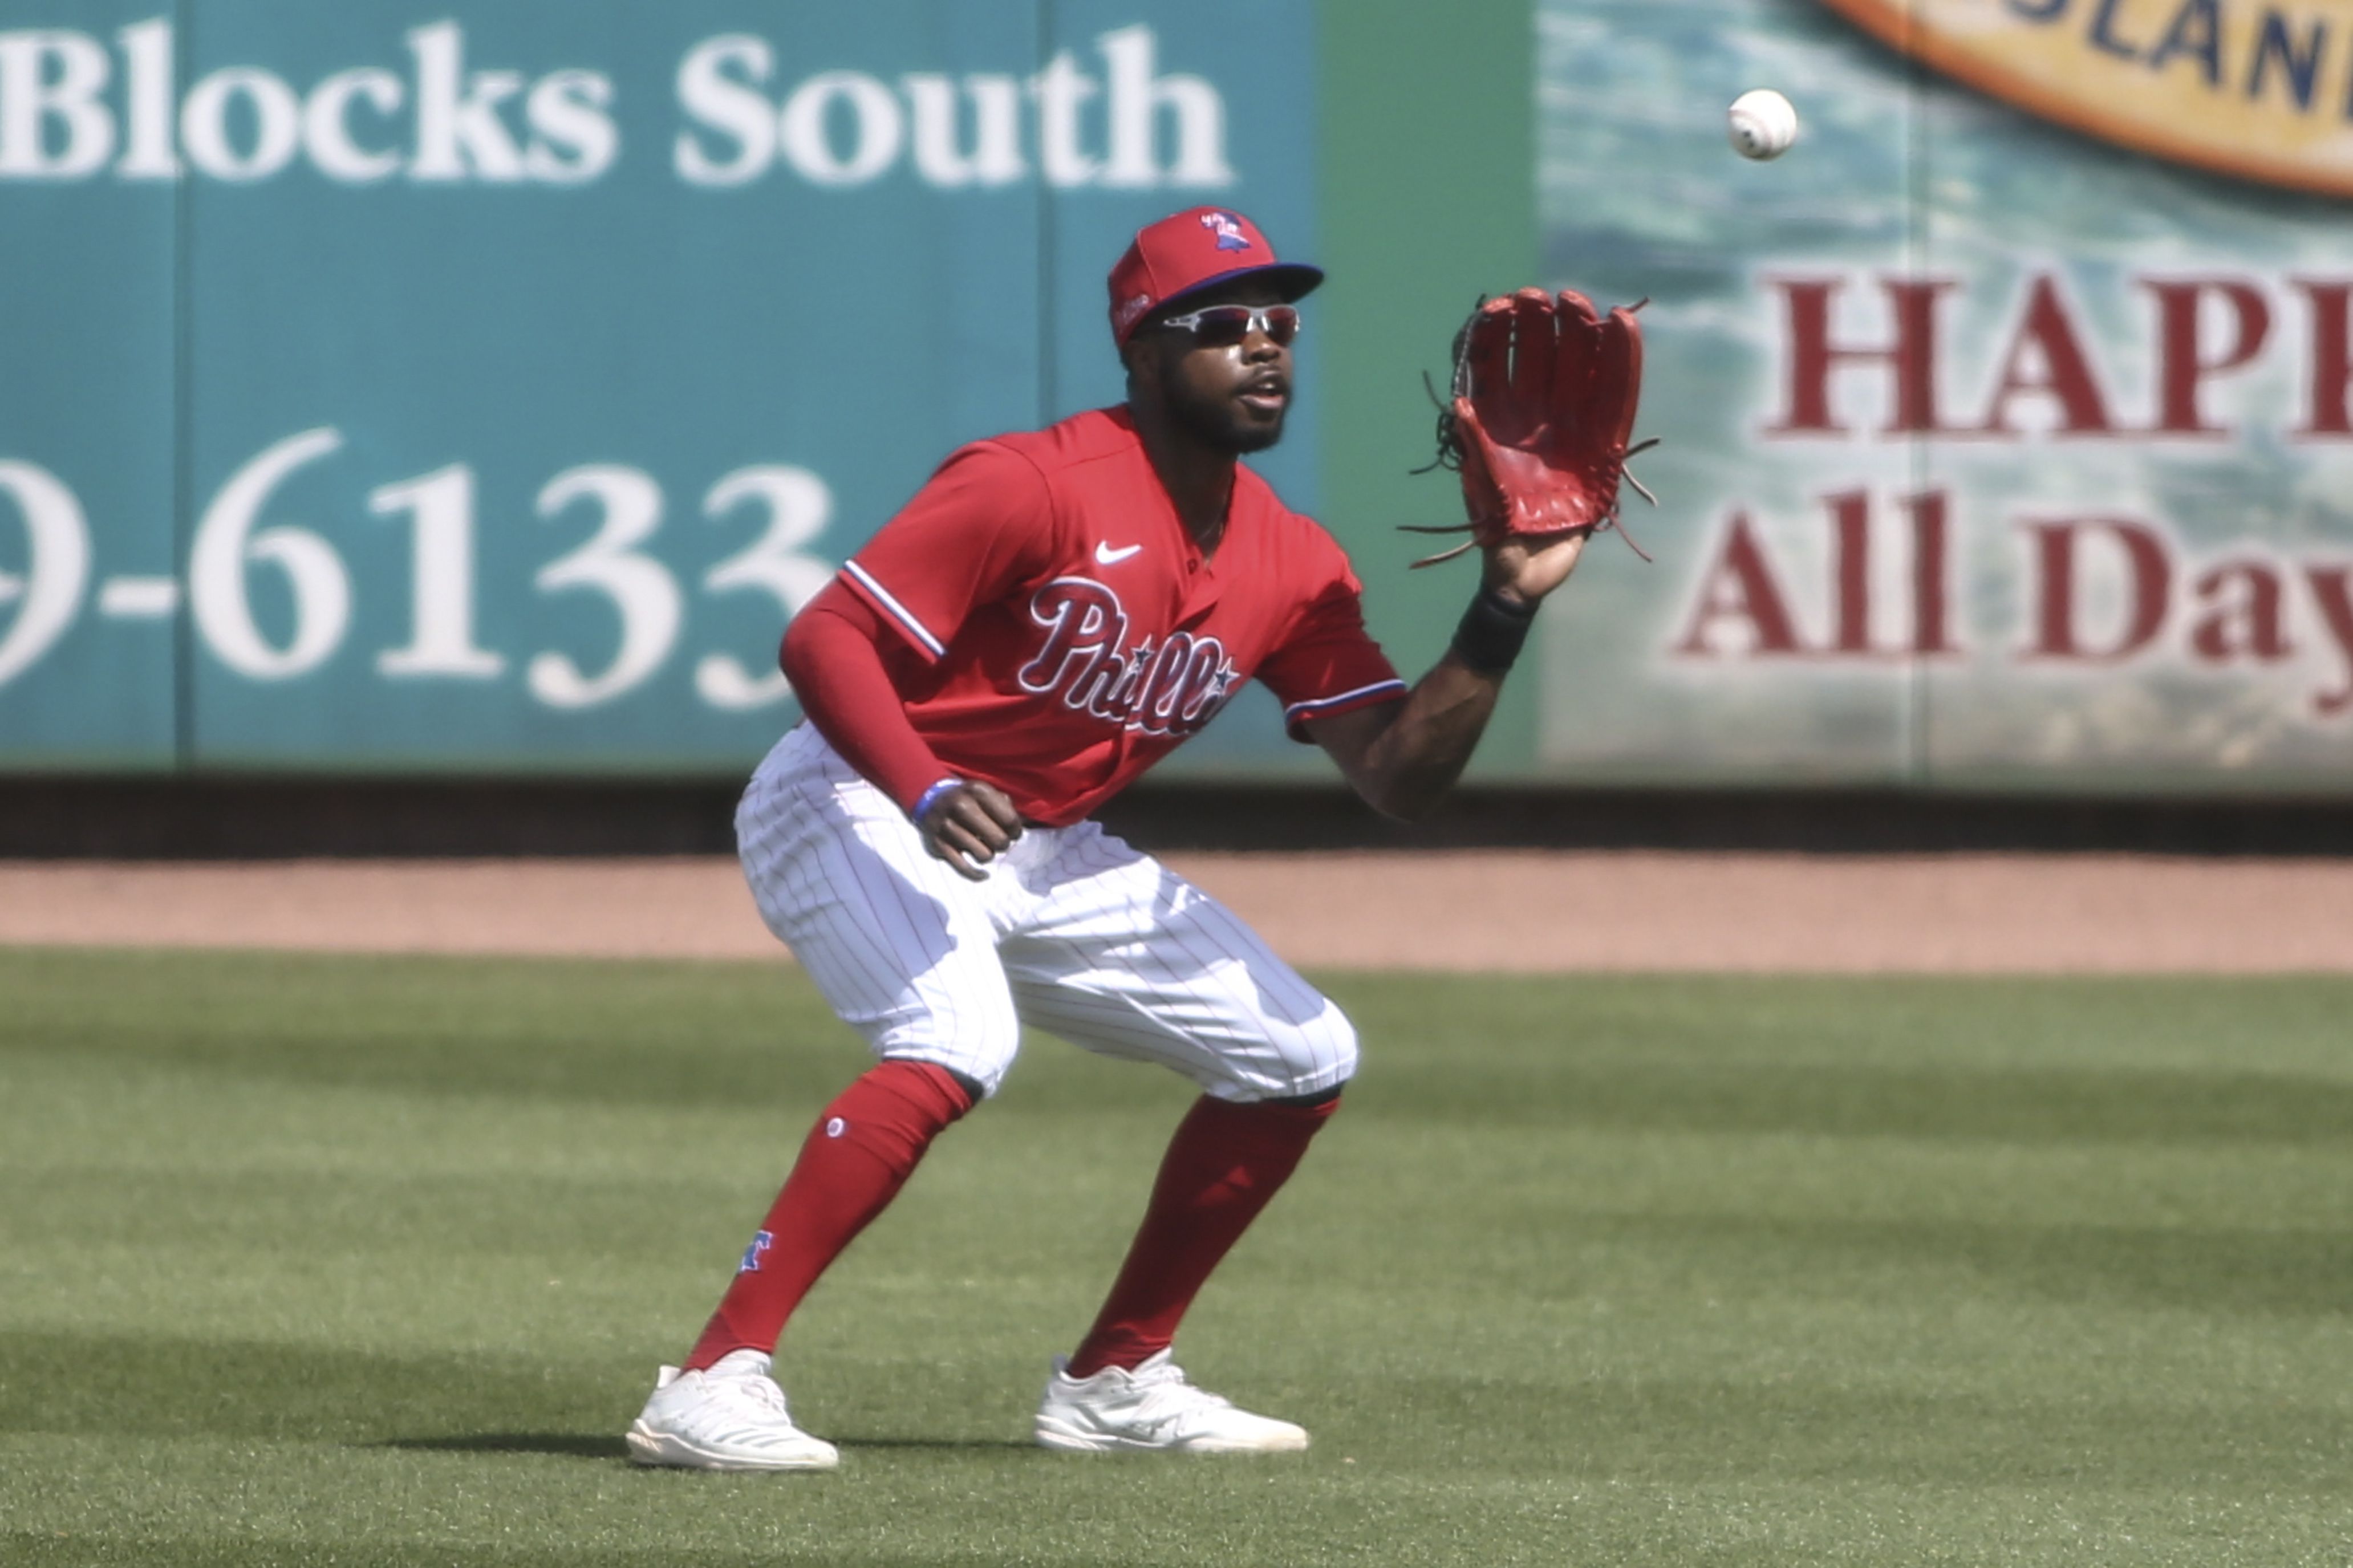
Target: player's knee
[(1322, 1057), (978, 1046), (1343, 1048), (977, 1075)]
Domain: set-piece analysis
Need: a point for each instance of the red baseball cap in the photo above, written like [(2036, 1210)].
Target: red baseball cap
[(1191, 250)]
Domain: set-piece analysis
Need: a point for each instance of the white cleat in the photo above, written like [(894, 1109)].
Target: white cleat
[(731, 1418), (1152, 1409)]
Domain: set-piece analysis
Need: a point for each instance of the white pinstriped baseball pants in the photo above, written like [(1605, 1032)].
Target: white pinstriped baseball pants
[(1074, 933)]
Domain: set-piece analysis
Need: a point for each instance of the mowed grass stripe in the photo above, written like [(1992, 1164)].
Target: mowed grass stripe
[(369, 1260)]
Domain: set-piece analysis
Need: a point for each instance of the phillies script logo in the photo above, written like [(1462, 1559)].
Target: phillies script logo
[(1171, 688)]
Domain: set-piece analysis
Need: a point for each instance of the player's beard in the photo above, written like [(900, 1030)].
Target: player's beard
[(1218, 422)]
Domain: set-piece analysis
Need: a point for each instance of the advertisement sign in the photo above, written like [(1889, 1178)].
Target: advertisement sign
[(396, 390), (1993, 455), (2254, 90)]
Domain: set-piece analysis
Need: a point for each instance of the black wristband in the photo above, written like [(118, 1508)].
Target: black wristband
[(1492, 631)]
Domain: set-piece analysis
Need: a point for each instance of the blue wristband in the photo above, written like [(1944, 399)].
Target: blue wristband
[(923, 802)]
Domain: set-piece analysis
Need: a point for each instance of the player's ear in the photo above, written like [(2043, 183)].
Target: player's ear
[(1141, 357)]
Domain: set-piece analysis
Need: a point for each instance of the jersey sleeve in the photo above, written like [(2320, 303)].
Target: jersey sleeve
[(981, 526), (1328, 663), (839, 658)]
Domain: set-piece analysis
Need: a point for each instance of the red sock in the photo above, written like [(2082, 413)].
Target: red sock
[(1225, 1163), (859, 1153)]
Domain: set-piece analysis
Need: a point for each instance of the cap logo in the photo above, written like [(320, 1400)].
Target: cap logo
[(1228, 232), (1131, 309)]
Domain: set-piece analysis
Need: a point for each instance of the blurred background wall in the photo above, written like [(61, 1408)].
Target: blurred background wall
[(398, 394)]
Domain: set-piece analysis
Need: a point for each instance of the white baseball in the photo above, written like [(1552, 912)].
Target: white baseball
[(1761, 124)]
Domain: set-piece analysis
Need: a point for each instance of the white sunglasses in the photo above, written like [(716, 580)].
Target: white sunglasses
[(1222, 325)]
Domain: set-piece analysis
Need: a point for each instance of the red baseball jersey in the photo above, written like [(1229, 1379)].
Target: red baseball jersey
[(1069, 633)]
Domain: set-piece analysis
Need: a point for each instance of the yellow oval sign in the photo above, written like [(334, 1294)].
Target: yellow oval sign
[(2263, 90)]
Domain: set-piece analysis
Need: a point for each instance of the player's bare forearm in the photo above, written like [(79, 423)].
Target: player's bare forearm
[(1403, 756)]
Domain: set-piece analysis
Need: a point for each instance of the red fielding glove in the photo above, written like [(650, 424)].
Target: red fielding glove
[(1544, 401)]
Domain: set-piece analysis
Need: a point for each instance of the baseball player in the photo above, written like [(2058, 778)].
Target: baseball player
[(1051, 614)]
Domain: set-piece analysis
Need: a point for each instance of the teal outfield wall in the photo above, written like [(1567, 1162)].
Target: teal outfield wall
[(393, 389)]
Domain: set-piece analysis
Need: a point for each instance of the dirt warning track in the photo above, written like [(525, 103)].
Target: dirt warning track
[(1529, 911)]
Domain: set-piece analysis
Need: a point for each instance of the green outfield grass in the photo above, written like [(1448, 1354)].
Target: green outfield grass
[(366, 1261)]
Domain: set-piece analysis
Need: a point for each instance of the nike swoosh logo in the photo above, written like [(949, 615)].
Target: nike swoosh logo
[(1105, 555)]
